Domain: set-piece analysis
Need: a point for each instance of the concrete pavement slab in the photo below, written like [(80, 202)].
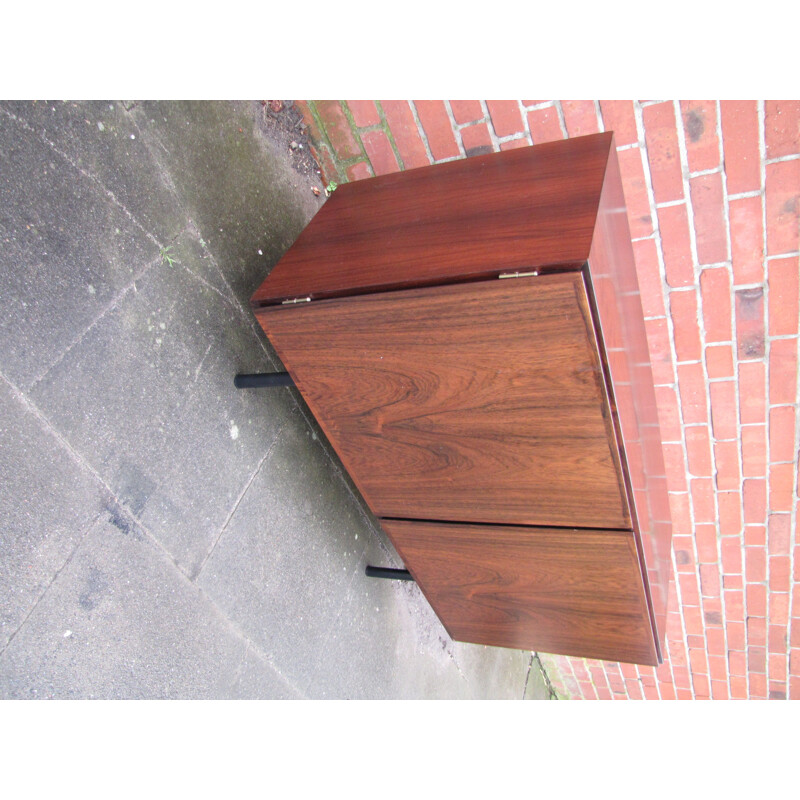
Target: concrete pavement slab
[(121, 622), (147, 398), (102, 141), (47, 504), (67, 250)]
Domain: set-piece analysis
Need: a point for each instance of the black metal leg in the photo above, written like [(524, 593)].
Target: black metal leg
[(256, 380), (388, 572)]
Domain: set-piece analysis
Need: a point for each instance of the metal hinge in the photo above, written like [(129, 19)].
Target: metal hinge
[(518, 274), (296, 300)]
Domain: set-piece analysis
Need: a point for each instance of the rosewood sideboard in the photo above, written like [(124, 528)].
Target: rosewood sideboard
[(470, 338)]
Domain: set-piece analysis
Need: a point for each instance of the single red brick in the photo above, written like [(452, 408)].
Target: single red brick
[(692, 616), (648, 273), (466, 111), (673, 224), (580, 117), (779, 611), (783, 372), (741, 151), (726, 460), (756, 599), (757, 659), (750, 323), (359, 171), (758, 686), (723, 410), (673, 465), (794, 687), (660, 351), (735, 631), (784, 296), (505, 116), (747, 240), (777, 667), (719, 689), (717, 666), (698, 661), (668, 414), (380, 152), (514, 144), (667, 691), (544, 125), (781, 433), (337, 126), (755, 570), (438, 128), (754, 492), (364, 112), (663, 154), (690, 598), (700, 126), (706, 542), (782, 127), (476, 139), (752, 392), (730, 513), (779, 528), (693, 393), (683, 310), (781, 486), (405, 133), (783, 207), (709, 218), (702, 491), (681, 513), (731, 557), (719, 361), (715, 289), (733, 582), (738, 687), (637, 199), (754, 451), (619, 116), (709, 580), (698, 450), (776, 637)]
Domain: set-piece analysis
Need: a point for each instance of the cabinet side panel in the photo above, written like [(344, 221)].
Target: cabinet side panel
[(480, 402), (618, 304), (571, 592)]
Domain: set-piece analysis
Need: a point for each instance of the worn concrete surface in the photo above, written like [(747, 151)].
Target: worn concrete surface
[(163, 534)]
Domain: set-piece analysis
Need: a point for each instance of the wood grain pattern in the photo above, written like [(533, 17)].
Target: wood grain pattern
[(522, 208), (480, 402), (572, 592), (621, 322)]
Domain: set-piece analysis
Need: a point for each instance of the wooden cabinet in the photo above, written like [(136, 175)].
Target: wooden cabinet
[(470, 338)]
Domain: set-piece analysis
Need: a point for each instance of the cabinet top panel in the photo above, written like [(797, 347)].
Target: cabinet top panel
[(465, 219)]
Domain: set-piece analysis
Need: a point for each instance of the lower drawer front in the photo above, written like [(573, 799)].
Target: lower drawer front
[(554, 590)]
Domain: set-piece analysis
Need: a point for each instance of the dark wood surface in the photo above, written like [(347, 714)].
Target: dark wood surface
[(621, 323), (475, 402), (551, 590), (518, 209)]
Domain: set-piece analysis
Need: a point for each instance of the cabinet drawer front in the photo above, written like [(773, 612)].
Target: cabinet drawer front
[(480, 402), (571, 592)]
